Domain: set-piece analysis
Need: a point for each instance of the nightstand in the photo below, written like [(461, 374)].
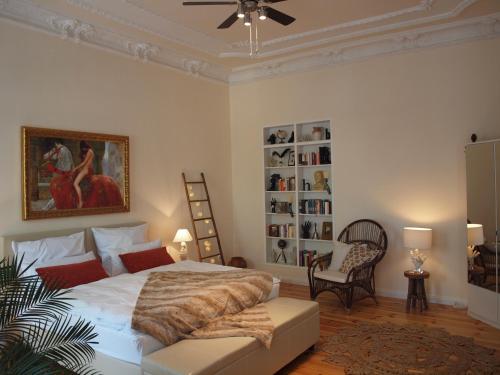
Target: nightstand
[(416, 290)]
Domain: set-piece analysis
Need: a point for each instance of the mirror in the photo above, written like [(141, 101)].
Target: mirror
[(483, 165)]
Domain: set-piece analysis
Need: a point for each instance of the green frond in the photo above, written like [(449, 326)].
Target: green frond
[(37, 335)]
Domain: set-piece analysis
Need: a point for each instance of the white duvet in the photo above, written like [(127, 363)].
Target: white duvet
[(110, 302)]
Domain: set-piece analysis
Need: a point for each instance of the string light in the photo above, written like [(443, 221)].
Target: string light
[(206, 243), (200, 214), (210, 231), (191, 195), (190, 187), (212, 260), (197, 204), (207, 221)]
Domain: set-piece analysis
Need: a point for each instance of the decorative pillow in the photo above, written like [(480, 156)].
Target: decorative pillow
[(143, 260), (49, 248), (118, 238), (59, 262), (340, 250), (71, 275), (358, 255), (111, 260)]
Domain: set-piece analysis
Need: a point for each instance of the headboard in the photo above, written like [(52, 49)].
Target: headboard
[(89, 238)]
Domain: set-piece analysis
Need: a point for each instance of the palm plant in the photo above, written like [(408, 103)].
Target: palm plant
[(37, 333)]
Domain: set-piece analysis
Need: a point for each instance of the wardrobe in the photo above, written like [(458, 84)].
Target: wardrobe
[(483, 216)]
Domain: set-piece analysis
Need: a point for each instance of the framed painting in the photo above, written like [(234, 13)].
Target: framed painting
[(69, 173)]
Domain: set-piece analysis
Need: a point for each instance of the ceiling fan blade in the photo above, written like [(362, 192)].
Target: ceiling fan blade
[(229, 21), (279, 17), (209, 3)]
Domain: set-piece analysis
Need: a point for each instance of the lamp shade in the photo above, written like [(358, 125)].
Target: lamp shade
[(475, 234), (183, 235), (417, 238)]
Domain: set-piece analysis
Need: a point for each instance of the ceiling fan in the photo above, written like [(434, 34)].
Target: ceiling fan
[(245, 10)]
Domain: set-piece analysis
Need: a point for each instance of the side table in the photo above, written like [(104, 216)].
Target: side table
[(416, 290)]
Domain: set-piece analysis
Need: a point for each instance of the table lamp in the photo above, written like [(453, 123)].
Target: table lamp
[(417, 239), (475, 237), (183, 236)]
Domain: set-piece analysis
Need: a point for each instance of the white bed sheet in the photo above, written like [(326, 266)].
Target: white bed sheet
[(109, 303)]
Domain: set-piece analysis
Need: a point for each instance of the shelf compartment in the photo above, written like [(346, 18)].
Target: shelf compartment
[(314, 166), (311, 240), (314, 191), (314, 143)]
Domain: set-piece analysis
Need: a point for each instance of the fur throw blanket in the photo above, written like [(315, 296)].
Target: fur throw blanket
[(177, 305)]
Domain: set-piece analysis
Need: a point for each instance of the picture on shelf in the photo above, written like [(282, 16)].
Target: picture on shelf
[(291, 159), (327, 231)]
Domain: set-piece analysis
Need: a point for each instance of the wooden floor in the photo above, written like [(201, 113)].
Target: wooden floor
[(391, 310)]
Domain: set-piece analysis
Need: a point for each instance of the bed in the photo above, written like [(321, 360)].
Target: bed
[(109, 304)]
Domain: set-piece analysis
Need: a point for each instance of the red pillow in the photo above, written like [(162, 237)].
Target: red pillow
[(71, 275), (143, 260)]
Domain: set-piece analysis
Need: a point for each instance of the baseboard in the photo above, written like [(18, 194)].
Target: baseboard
[(442, 300), (485, 320)]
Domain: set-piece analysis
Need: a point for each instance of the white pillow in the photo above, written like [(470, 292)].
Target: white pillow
[(57, 262), (118, 238), (340, 250), (112, 263), (50, 248)]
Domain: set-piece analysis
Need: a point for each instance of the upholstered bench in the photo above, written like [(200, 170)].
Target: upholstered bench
[(296, 329)]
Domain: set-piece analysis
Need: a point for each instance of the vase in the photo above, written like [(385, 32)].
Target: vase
[(317, 133)]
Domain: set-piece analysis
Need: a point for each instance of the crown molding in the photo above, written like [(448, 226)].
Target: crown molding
[(136, 16), (75, 30), (433, 36), (425, 5), (30, 14), (142, 19)]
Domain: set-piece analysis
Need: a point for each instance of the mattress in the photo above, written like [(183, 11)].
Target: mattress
[(109, 304)]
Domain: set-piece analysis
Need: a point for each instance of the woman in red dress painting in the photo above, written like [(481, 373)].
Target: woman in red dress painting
[(84, 169)]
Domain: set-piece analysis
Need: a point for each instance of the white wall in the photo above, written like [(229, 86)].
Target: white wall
[(400, 126), (175, 123)]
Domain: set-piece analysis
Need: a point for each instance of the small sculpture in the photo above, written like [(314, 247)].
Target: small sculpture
[(292, 138), (319, 180), (278, 158), (272, 139), (306, 230), (315, 235), (273, 205), (327, 187)]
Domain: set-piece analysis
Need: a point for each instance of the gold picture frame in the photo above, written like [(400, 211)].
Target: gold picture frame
[(56, 183)]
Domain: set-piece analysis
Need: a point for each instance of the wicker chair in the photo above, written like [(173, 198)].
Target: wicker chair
[(360, 281), (487, 259)]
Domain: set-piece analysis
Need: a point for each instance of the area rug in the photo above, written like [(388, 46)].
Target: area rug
[(389, 349)]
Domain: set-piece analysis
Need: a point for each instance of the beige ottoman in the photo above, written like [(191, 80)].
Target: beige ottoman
[(296, 329)]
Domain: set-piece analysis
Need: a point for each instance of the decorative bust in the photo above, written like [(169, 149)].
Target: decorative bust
[(319, 180)]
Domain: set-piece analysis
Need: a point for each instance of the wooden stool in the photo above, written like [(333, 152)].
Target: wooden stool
[(416, 290)]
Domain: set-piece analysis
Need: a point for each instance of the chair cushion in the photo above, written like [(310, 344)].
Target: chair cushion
[(358, 255), (331, 275), (208, 356), (340, 251)]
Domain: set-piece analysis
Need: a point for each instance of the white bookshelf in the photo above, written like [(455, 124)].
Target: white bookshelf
[(303, 143)]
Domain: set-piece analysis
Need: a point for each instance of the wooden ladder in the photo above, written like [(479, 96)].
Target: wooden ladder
[(203, 258)]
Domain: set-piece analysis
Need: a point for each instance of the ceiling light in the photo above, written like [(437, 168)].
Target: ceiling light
[(262, 13), (248, 19), (240, 12)]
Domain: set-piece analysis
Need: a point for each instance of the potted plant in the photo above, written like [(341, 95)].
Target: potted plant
[(37, 333)]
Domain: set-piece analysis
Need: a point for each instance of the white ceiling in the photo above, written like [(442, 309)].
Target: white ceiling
[(189, 35)]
